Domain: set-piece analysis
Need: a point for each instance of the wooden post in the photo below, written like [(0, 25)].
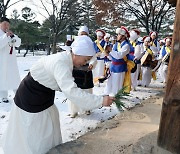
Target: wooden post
[(169, 130)]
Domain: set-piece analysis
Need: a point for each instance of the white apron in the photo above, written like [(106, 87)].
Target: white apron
[(32, 133)]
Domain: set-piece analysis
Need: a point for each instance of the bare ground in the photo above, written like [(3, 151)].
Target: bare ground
[(132, 132)]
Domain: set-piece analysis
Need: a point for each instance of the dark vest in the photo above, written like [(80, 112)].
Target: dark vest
[(33, 97), (83, 77)]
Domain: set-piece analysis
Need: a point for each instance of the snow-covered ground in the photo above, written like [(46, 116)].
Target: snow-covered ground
[(73, 128)]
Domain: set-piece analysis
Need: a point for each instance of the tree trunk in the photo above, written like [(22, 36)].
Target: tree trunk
[(27, 48), (54, 44), (169, 130)]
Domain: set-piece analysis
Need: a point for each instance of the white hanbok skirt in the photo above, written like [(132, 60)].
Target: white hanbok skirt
[(32, 133)]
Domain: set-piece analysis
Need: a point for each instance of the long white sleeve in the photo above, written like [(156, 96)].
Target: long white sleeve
[(3, 40), (139, 50), (55, 72), (18, 41), (119, 55), (84, 100), (93, 61)]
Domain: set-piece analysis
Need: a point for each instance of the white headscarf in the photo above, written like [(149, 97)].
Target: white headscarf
[(83, 46)]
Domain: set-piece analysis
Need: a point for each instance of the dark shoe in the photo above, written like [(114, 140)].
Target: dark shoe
[(5, 100), (88, 112)]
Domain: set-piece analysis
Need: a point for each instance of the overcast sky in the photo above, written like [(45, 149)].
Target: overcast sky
[(21, 5)]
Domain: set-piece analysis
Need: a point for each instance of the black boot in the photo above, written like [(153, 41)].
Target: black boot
[(5, 100)]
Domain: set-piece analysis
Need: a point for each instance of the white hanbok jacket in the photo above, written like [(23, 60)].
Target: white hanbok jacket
[(55, 72), (9, 73)]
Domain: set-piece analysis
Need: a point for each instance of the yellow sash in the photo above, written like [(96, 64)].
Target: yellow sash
[(133, 43), (153, 44), (99, 46), (149, 51), (168, 49)]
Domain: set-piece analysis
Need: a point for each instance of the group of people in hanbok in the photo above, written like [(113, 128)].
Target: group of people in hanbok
[(132, 61), (123, 61)]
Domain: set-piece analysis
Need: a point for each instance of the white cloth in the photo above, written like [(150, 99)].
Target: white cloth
[(74, 108), (32, 133), (138, 52), (99, 69), (114, 83), (55, 72), (9, 73), (163, 72), (146, 76)]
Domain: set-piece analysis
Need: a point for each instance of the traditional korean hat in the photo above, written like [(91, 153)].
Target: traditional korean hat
[(83, 46), (168, 39), (83, 29), (107, 36), (4, 19), (100, 32), (153, 33), (112, 38), (123, 31), (146, 39), (134, 34), (162, 40)]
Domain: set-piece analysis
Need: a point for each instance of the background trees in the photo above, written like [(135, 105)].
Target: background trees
[(156, 15), (62, 17), (5, 4)]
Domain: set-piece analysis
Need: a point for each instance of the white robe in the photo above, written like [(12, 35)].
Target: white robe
[(9, 73), (36, 133), (138, 52)]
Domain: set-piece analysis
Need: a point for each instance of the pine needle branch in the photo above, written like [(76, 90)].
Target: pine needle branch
[(120, 95)]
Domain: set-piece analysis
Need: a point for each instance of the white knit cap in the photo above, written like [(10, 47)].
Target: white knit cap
[(107, 36), (83, 29), (83, 46), (133, 36)]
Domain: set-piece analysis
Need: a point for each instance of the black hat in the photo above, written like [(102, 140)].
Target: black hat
[(4, 19)]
